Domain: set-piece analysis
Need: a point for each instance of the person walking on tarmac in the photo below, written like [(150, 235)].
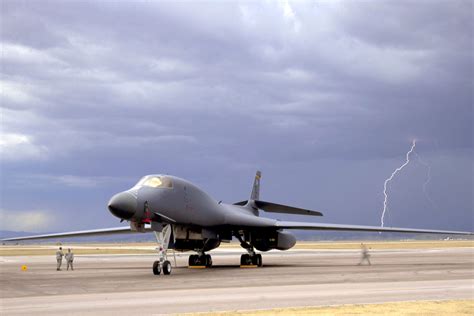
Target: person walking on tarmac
[(59, 258), (365, 255), (69, 259)]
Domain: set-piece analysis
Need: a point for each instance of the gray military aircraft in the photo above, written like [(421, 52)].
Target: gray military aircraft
[(185, 218)]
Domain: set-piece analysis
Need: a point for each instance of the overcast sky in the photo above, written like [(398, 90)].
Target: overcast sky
[(325, 97)]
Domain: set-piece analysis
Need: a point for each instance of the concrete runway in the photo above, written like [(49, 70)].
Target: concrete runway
[(122, 284)]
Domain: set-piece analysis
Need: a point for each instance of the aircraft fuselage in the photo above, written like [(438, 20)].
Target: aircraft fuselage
[(199, 221)]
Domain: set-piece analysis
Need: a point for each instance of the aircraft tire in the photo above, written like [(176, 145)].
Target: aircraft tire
[(258, 260), (245, 260), (201, 260), (208, 261), (167, 267), (192, 260), (156, 268)]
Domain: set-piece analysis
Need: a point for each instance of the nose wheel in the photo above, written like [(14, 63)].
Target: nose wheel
[(156, 268), (164, 267)]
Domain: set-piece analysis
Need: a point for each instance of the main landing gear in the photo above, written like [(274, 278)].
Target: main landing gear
[(201, 260), (251, 260)]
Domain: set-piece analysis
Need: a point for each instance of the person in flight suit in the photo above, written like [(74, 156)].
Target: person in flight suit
[(365, 254), (59, 258), (69, 259)]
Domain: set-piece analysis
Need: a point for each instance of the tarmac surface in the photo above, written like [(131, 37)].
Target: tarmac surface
[(124, 284)]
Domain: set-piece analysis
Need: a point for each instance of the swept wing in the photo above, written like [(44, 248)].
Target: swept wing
[(342, 227), (80, 233), (266, 224)]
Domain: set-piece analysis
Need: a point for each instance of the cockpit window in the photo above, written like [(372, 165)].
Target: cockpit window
[(156, 182), (167, 183), (153, 182)]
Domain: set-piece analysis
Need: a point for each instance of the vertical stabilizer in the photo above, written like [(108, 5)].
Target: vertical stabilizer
[(256, 187)]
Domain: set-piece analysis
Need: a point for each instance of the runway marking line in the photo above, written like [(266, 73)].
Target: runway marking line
[(248, 266)]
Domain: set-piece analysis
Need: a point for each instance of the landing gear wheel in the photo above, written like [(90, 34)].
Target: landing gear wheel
[(167, 267), (192, 260), (245, 260), (257, 260), (208, 260), (196, 260), (156, 268)]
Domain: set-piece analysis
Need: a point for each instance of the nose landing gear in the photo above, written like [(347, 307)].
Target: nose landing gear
[(163, 265), (158, 267)]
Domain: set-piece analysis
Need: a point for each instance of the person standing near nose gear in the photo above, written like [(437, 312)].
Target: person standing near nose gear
[(69, 259), (59, 258)]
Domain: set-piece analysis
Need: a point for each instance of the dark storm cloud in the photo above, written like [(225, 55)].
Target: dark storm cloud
[(116, 90)]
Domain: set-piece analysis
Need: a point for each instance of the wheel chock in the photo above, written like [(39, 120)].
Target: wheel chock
[(249, 266), (197, 267)]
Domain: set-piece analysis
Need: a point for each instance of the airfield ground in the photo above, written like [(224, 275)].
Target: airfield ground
[(318, 278)]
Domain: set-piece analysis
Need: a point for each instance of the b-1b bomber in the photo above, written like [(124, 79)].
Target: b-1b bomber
[(185, 218)]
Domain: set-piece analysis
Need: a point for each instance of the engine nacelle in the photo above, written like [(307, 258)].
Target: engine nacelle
[(192, 238), (194, 244), (280, 240)]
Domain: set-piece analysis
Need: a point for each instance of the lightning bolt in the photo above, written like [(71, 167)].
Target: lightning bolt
[(394, 173)]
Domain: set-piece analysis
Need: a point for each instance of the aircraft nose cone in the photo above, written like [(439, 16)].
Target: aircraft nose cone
[(123, 205)]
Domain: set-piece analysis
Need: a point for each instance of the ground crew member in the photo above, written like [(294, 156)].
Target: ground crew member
[(59, 258), (365, 254), (69, 259)]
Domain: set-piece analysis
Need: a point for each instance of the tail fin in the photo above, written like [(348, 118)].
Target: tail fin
[(256, 187)]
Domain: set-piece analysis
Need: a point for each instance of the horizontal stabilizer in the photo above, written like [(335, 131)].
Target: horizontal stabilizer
[(279, 208)]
